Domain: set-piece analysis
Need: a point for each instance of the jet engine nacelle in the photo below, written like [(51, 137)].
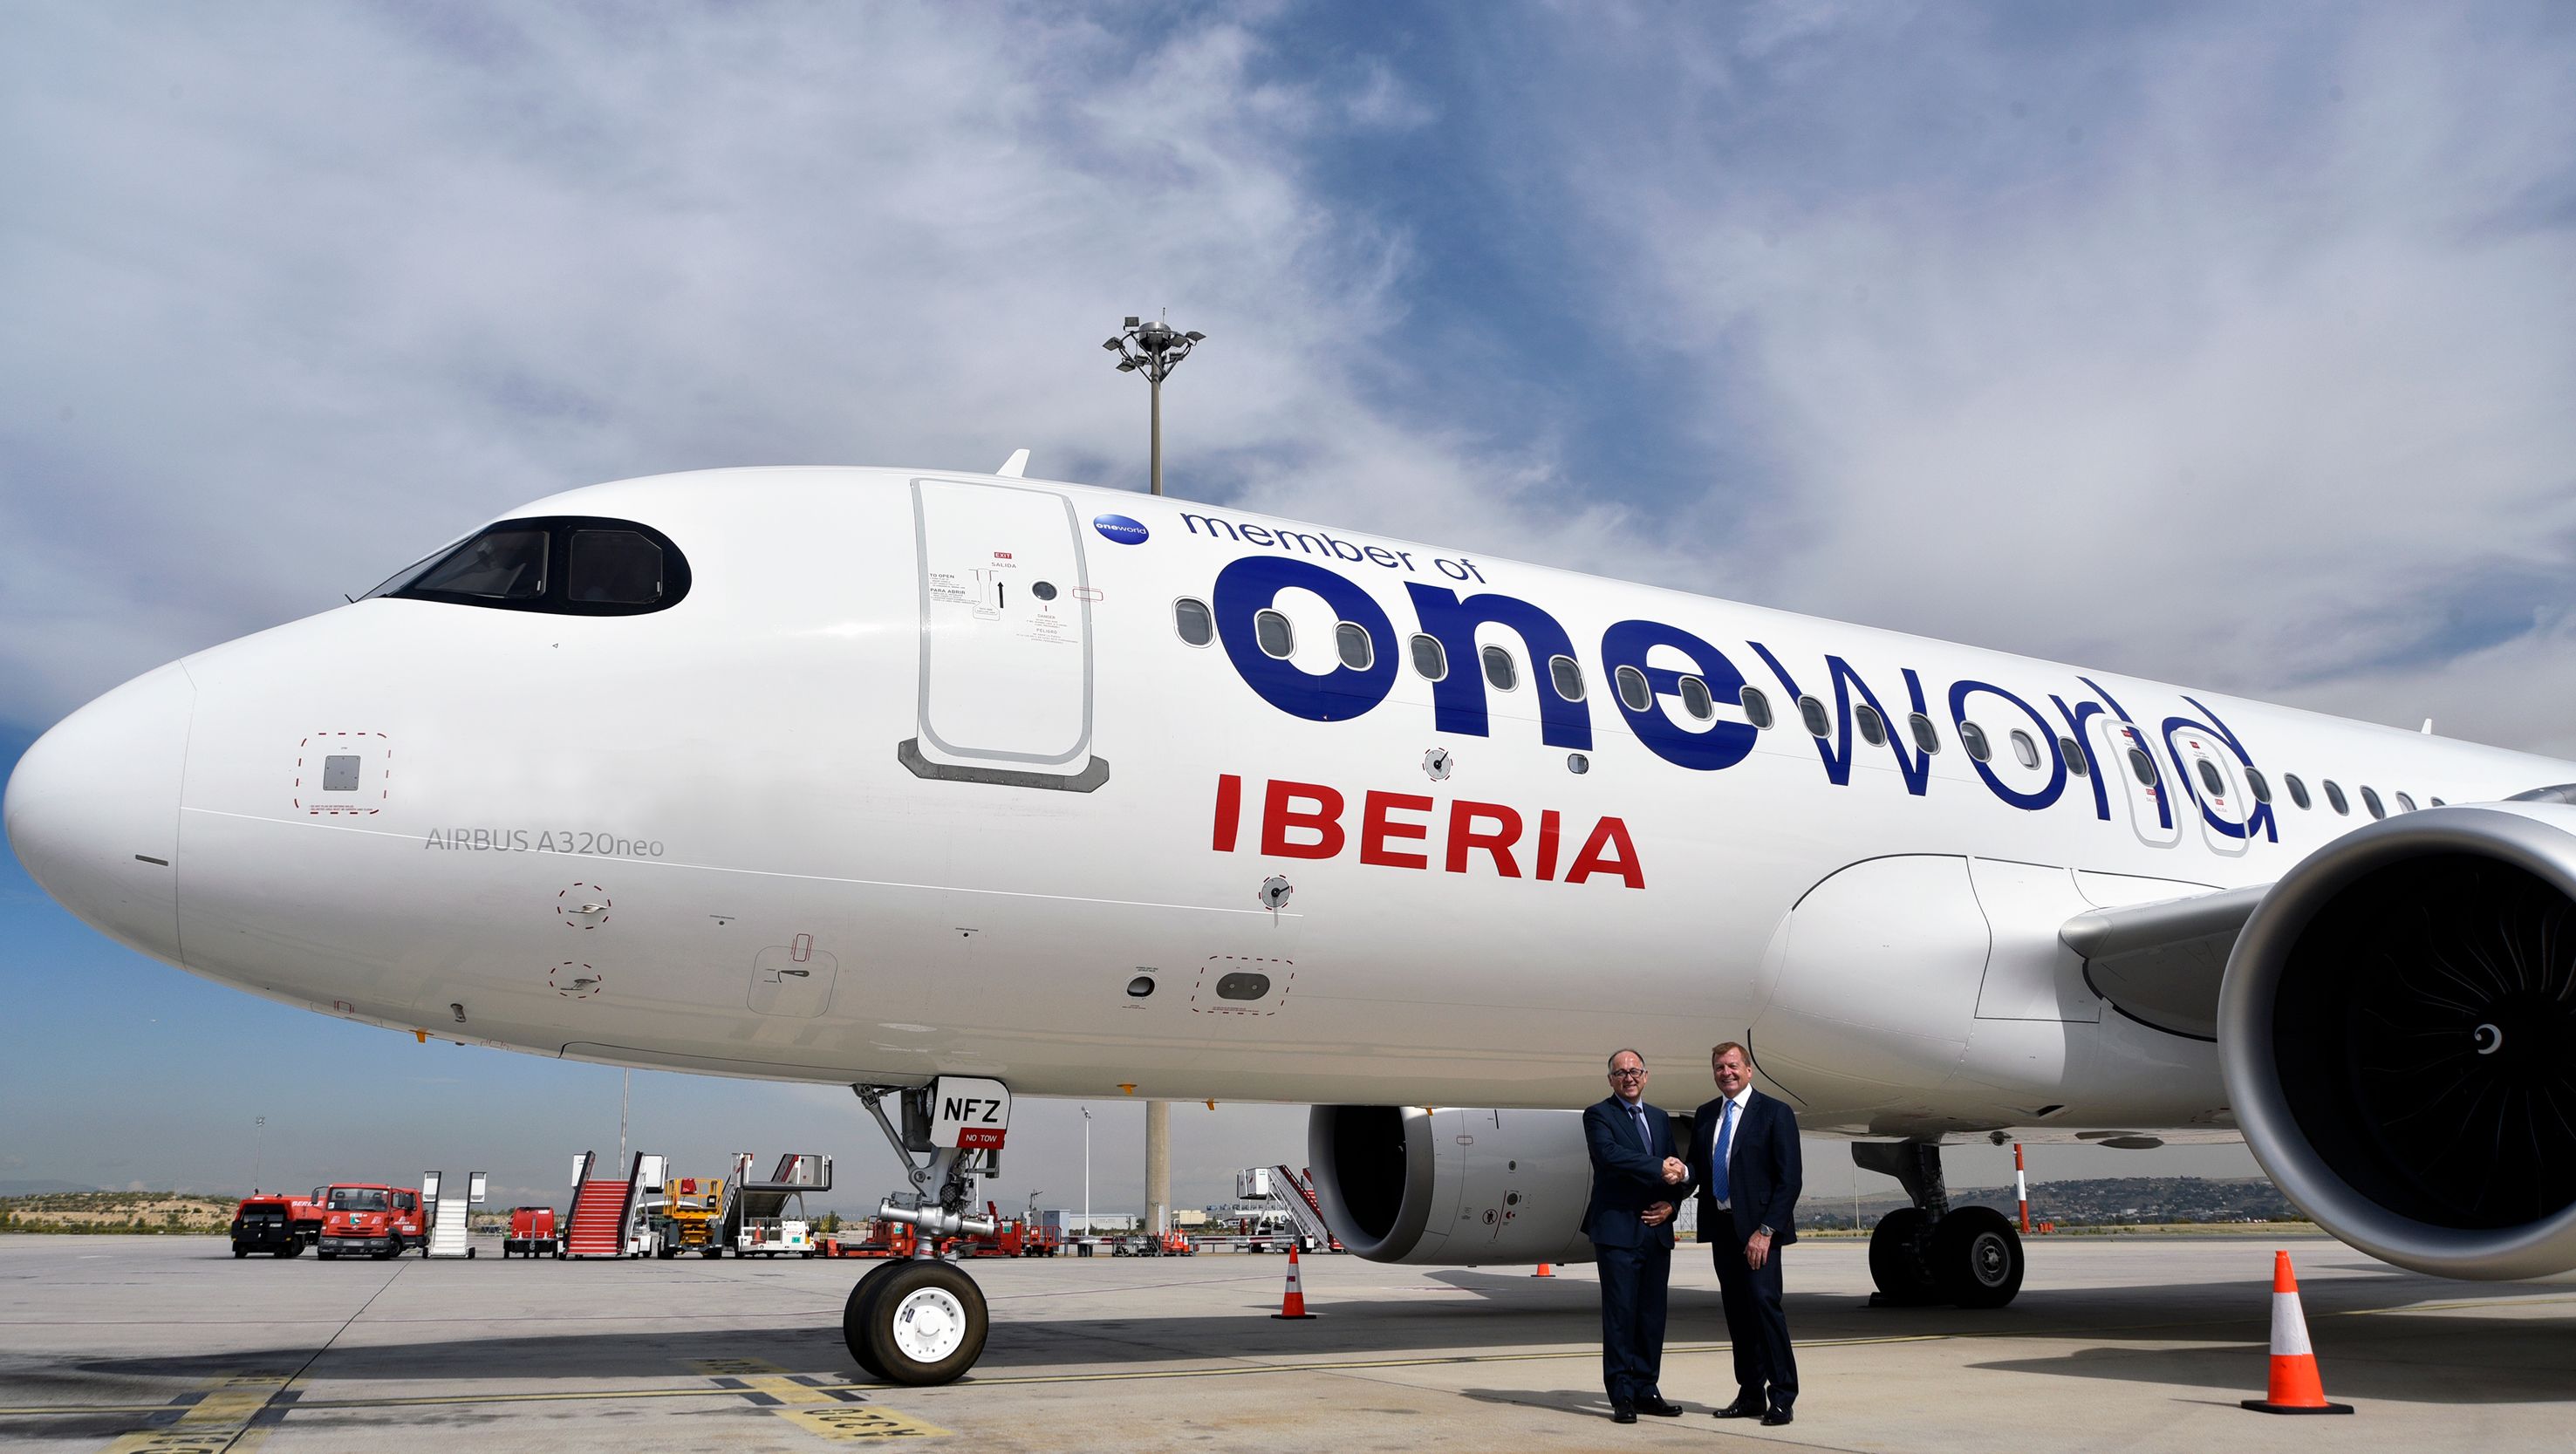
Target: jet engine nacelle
[(1452, 1187), (2398, 1031)]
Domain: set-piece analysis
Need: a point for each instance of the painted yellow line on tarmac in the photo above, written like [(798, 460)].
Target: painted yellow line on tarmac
[(831, 1411), (215, 1423)]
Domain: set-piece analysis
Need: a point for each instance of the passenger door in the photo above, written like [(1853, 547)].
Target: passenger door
[(2122, 749), (1006, 657)]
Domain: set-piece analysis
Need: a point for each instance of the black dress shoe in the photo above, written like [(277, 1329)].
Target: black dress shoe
[(1623, 1413), (1740, 1410), (1654, 1403), (1777, 1417)]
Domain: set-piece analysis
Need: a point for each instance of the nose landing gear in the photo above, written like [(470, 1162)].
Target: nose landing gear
[(1931, 1252), (922, 1320)]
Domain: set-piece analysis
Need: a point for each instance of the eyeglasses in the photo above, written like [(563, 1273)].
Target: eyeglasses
[(1640, 1070)]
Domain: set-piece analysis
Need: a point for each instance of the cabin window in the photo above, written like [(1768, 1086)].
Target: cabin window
[(1278, 637), (2076, 762), (2298, 789), (2025, 751), (1500, 669), (1873, 727), (1351, 640), (2370, 800), (1633, 691), (1812, 712), (2335, 798), (1430, 658), (2210, 779), (2405, 804), (1195, 623), (1925, 739), (2262, 787), (1567, 676), (1757, 708), (1973, 738), (1696, 700), (2142, 766)]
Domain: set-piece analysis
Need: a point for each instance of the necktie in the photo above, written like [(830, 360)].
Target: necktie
[(1725, 1144), (1645, 1137)]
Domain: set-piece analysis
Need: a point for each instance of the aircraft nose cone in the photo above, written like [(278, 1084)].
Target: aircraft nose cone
[(93, 810)]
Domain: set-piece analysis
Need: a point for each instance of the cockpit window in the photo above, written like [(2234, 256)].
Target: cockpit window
[(571, 565), (622, 566), (504, 565)]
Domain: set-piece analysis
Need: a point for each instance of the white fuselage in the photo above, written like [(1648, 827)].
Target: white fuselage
[(697, 838)]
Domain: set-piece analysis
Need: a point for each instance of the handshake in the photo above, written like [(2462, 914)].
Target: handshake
[(1675, 1172)]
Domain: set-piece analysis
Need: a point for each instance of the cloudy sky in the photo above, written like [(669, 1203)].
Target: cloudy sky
[(2216, 343)]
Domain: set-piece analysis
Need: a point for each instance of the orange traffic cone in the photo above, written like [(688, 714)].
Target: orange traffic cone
[(1544, 1271), (2295, 1387), (1294, 1304)]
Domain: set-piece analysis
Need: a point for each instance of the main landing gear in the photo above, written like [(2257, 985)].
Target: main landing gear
[(1932, 1252), (921, 1319)]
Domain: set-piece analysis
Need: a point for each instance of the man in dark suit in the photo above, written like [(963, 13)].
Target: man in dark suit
[(1637, 1177), (1744, 1158)]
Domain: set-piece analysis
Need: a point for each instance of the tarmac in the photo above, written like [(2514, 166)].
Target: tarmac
[(169, 1344)]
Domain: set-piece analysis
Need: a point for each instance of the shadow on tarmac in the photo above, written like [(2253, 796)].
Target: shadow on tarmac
[(2460, 1355)]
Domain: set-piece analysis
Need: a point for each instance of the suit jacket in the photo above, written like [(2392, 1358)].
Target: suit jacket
[(1627, 1177), (1765, 1164)]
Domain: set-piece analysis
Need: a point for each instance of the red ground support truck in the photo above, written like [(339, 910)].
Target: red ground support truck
[(370, 1219), (268, 1224), (532, 1233)]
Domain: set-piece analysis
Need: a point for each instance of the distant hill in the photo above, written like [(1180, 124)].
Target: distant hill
[(2111, 1202), (116, 1211), (22, 1188)]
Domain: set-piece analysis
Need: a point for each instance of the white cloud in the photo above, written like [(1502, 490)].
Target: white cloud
[(2214, 345)]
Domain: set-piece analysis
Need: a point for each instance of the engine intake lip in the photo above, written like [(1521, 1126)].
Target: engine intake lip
[(1372, 1170), (2265, 963)]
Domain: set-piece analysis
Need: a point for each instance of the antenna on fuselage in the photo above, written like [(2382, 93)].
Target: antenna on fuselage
[(1012, 467)]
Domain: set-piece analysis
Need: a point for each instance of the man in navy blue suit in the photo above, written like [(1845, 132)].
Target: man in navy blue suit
[(1744, 1158), (1637, 1177)]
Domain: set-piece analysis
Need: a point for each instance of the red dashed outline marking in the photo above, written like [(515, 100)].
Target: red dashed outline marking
[(384, 779), (1213, 960), (598, 981), (565, 915)]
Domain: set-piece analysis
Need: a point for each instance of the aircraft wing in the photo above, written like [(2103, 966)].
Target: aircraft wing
[(2161, 963)]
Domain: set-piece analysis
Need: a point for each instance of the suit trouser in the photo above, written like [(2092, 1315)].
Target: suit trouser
[(1633, 1285), (1756, 1325)]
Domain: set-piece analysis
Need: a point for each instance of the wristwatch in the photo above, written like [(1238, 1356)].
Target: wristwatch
[(1763, 1230)]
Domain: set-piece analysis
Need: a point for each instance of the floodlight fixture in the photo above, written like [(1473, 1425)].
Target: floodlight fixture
[(1154, 350)]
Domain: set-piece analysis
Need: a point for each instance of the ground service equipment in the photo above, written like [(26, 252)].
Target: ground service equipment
[(756, 1218), (690, 1216), (532, 1233), (266, 1224), (370, 1219)]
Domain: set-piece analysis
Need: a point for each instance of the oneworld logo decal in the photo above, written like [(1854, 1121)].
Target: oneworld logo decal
[(1119, 528)]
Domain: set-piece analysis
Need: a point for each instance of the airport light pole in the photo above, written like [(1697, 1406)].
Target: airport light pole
[(1086, 1171), (1154, 350), (258, 1140)]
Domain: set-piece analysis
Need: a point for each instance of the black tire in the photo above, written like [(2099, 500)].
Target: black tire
[(854, 1318), (469, 1254), (327, 1255), (923, 1322), (1976, 1254), (241, 1252), (1900, 1256)]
